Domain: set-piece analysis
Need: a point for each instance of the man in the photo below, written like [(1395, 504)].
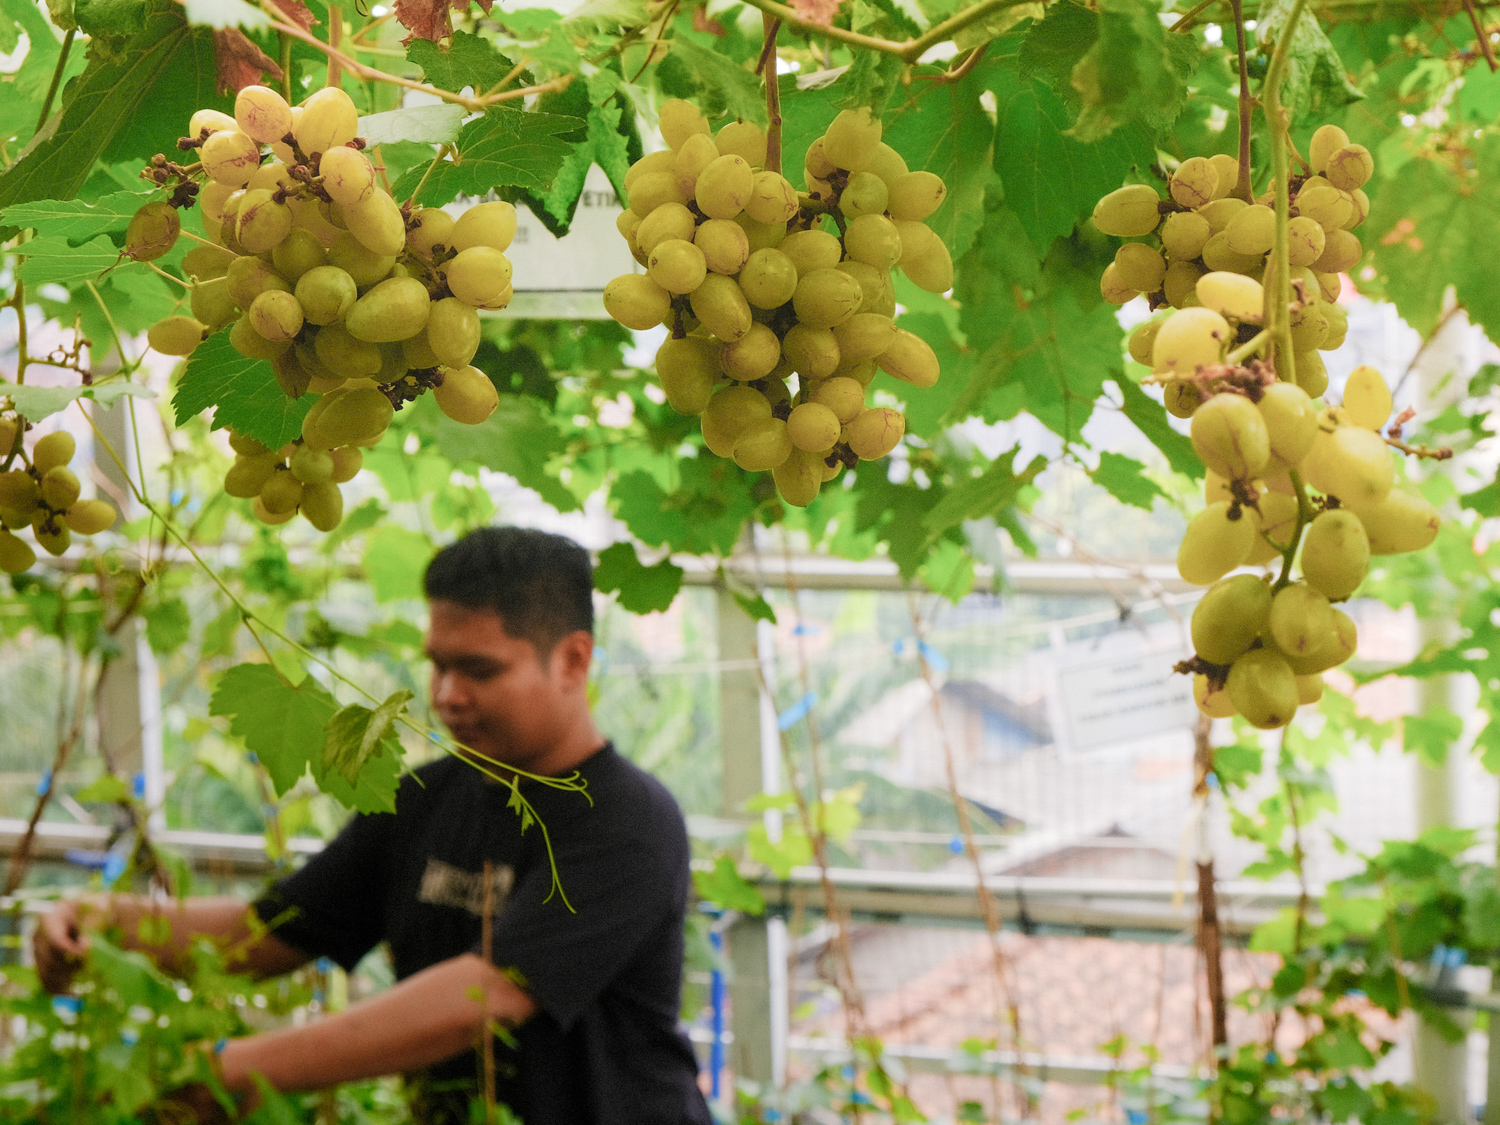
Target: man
[(590, 992)]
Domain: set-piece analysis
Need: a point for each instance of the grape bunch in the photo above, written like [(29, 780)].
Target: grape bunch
[(760, 284), (42, 494), (1201, 228), (347, 294)]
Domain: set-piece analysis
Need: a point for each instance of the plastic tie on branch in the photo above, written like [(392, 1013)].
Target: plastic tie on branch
[(67, 1007), (935, 660), (797, 711), (44, 785), (138, 785)]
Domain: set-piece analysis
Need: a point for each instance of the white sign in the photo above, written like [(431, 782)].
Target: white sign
[(1124, 697)]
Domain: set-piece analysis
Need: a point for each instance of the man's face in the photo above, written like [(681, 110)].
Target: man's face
[(492, 690)]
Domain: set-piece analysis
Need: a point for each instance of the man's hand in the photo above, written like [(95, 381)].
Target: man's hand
[(59, 945)]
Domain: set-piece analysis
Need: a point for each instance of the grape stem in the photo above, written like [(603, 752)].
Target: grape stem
[(1278, 302), (1442, 453), (1305, 516), (909, 51), (1249, 347), (335, 32), (57, 73), (1247, 103), (772, 79)]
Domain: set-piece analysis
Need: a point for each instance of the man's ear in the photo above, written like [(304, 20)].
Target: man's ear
[(572, 656)]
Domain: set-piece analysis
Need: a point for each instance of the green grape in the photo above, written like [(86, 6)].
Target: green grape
[(1219, 255), (177, 335), (206, 263), (347, 461), (841, 394), (432, 227), (886, 163), (865, 194), (311, 465), (628, 223), (1184, 235), (762, 236), (1401, 523), (1341, 253), (1361, 209), (1275, 524), (345, 356), (1112, 286), (418, 352), (1252, 232), (479, 276), (772, 198), (51, 534), (313, 215), (262, 222), (812, 352), (1312, 374), (724, 187), (1309, 689), (393, 365), (910, 359), (1350, 167), (774, 387), (875, 432), (1140, 267), (873, 240), (1230, 436), (679, 120), (326, 294), (1195, 182), (1189, 339), (248, 278), (275, 315), (1330, 285), (815, 163), (1291, 421), (925, 258), (916, 195), (1220, 212), (453, 331), (762, 445), (266, 516), (297, 253), (19, 496), (1351, 463), (378, 223), (152, 232), (328, 120), (720, 306), (827, 297), (272, 176), (1367, 399), (753, 356), (769, 278), (688, 368), (59, 488), (661, 161), (90, 517), (1128, 212), (812, 427), (879, 295), (245, 445), (799, 478), (248, 475), (1335, 553), (1232, 296), (1141, 340), (1228, 619), (293, 379), (1309, 328), (744, 139), (322, 505), (10, 430), (653, 189), (491, 224), (1263, 689), (348, 176), (812, 250), (724, 244), (695, 155), (1301, 620), (728, 413), (1212, 701), (352, 417), (637, 302), (251, 344), (1325, 205), (214, 203), (394, 310), (1180, 283), (849, 141), (1305, 241), (230, 157), (864, 336), (677, 266), (262, 114), (466, 395), (1325, 142), (670, 220), (210, 121), (1214, 544), (281, 493)]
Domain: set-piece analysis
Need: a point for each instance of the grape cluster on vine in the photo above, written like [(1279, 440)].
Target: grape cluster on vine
[(347, 294), (760, 284), (42, 494)]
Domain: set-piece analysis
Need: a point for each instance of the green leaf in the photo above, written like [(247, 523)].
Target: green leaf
[(702, 515), (1123, 478), (108, 789), (395, 560), (755, 605), (428, 124), (168, 626), (52, 259), (243, 393), (1134, 71), (603, 144), (26, 89), (76, 220), (724, 886), (1237, 764), (281, 724), (1431, 734), (518, 439), (356, 732), (1424, 224), (794, 849), (1316, 82), (504, 148), (470, 60), (37, 403), (1150, 417), (716, 82), (948, 570), (1276, 936), (642, 589), (984, 495)]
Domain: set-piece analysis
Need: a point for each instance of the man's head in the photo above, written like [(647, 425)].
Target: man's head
[(510, 639)]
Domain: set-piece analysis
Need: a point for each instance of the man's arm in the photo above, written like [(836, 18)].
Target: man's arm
[(431, 1016), (60, 941)]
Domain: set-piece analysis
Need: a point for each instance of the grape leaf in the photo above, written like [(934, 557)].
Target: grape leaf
[(517, 439), (720, 85), (470, 60), (1316, 82), (243, 393), (53, 260), (702, 515), (1124, 478), (1424, 225), (1134, 71), (26, 89), (929, 410), (504, 148), (993, 490), (395, 560), (642, 589), (604, 145), (356, 733), (1430, 734), (430, 124), (724, 886), (37, 402), (1150, 417), (283, 725), (76, 220)]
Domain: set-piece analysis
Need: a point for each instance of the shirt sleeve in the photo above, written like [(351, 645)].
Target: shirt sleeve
[(623, 885), (334, 906)]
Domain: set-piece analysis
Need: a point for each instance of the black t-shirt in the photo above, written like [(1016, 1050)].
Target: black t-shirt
[(604, 1046)]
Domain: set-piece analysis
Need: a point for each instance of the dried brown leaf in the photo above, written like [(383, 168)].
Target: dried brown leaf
[(239, 61)]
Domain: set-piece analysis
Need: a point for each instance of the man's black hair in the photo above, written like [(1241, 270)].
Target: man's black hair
[(540, 584)]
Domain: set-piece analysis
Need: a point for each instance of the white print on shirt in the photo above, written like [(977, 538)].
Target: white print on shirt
[(446, 885)]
